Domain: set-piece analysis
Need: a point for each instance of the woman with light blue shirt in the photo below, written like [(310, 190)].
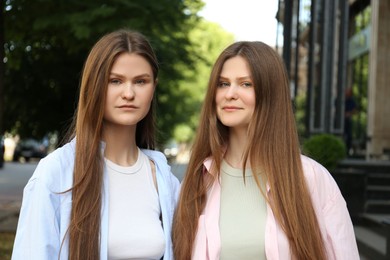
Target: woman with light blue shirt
[(106, 194)]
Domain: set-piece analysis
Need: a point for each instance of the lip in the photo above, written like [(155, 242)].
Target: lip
[(231, 108), (127, 107)]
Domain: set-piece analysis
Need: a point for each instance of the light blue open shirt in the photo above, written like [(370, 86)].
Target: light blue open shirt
[(45, 212)]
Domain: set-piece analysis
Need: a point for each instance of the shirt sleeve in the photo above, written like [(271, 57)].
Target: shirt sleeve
[(340, 234), (332, 212), (38, 234)]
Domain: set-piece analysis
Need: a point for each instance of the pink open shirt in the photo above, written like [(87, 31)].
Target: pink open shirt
[(329, 205)]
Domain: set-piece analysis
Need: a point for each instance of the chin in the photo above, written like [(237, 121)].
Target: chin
[(231, 124), (234, 124)]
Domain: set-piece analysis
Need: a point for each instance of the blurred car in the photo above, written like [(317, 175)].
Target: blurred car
[(29, 148), (171, 150), (2, 150)]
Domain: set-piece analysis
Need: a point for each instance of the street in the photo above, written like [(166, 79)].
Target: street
[(13, 178)]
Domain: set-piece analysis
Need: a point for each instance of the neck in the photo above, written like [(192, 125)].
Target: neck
[(236, 148), (120, 142)]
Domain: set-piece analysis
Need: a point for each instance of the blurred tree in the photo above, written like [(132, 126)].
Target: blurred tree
[(208, 41), (47, 41)]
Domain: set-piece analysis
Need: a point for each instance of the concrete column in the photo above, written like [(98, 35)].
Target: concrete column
[(378, 127)]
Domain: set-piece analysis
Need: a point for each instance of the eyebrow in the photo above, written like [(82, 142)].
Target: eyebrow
[(145, 75), (240, 78)]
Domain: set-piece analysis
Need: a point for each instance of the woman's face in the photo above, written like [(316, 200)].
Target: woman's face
[(130, 90), (235, 95)]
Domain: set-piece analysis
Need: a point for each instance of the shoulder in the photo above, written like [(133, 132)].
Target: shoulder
[(155, 155), (310, 164), (56, 168), (314, 172), (165, 178), (61, 157), (159, 160), (64, 153), (320, 182)]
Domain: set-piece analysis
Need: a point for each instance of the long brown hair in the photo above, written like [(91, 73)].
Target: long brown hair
[(84, 228), (273, 150)]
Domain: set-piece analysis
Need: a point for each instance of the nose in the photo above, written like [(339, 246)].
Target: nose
[(128, 91), (231, 92)]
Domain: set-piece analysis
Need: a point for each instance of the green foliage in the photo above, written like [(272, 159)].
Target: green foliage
[(326, 149), (362, 19), (207, 42), (183, 133), (47, 41)]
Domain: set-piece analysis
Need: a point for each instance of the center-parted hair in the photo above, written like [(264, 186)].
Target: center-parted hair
[(84, 229), (272, 150)]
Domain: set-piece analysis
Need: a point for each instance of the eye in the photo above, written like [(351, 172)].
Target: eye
[(247, 84), (222, 84), (140, 81), (115, 81)]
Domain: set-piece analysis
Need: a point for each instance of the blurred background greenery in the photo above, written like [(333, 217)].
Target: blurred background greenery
[(46, 43)]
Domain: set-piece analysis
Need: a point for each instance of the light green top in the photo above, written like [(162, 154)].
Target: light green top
[(243, 215)]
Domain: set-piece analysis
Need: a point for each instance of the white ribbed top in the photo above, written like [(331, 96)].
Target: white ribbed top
[(242, 217), (135, 228)]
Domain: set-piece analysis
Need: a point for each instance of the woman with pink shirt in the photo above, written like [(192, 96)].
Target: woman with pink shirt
[(248, 192)]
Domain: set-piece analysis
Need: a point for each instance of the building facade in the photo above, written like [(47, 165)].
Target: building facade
[(335, 47)]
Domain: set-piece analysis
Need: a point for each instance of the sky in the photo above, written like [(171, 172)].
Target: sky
[(250, 20)]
